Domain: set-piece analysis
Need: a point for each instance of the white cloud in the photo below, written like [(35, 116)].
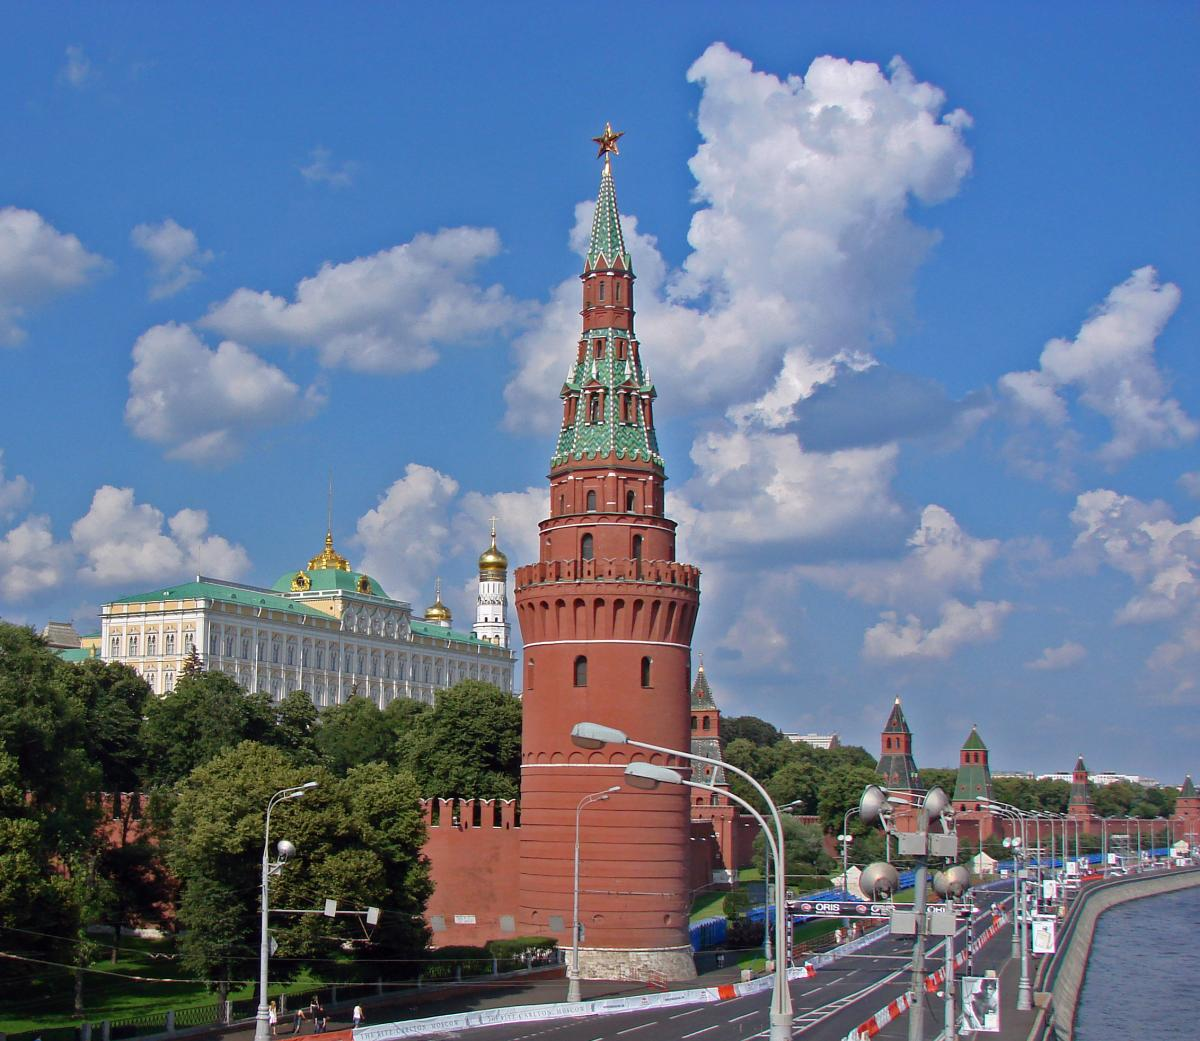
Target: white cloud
[(941, 559), (1190, 483), (895, 639), (1110, 364), (406, 536), (15, 492), (77, 70), (1061, 657), (321, 169), (31, 561), (174, 253), (1141, 540), (36, 262), (388, 312), (199, 403), (122, 542), (802, 252)]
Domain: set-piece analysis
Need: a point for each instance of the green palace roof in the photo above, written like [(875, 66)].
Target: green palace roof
[(438, 632), (206, 589), (327, 580), (75, 654)]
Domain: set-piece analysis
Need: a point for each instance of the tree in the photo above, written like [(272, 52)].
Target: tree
[(839, 793), (939, 777), (469, 745), (808, 864), (114, 699), (205, 714), (357, 732), (295, 727), (358, 841), (756, 731)]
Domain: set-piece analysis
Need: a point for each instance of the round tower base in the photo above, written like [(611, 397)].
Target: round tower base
[(645, 963)]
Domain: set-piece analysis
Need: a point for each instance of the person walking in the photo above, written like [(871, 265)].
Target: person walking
[(272, 1017), (320, 1019), (357, 1016)]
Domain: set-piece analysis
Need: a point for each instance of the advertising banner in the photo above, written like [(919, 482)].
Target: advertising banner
[(1043, 936), (981, 1004)]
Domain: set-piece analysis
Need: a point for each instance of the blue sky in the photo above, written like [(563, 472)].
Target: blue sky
[(916, 284)]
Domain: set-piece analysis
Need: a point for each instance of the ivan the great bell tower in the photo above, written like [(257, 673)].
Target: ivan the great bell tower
[(606, 616)]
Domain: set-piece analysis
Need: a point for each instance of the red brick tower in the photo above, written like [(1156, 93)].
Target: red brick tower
[(606, 616), (972, 784), (1187, 814), (897, 768), (1080, 804)]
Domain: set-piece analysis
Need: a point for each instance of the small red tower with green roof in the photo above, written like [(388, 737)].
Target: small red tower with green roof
[(971, 786), (606, 616), (1187, 813)]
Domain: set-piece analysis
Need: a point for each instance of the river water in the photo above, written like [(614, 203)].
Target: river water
[(1143, 973)]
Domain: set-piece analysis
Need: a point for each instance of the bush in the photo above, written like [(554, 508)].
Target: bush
[(444, 961), (539, 947)]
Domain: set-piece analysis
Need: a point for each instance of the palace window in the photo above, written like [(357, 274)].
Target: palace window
[(214, 643), (169, 641), (189, 639), (228, 646), (114, 647), (168, 681), (581, 671), (291, 654), (151, 645), (275, 651), (133, 646), (320, 657), (333, 659)]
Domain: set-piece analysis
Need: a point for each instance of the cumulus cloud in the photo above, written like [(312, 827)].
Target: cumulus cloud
[(1061, 657), (941, 559), (175, 256), (424, 526), (199, 403), (15, 492), (37, 262), (894, 638), (388, 312), (122, 541), (1139, 539), (1190, 483), (802, 253), (1110, 366), (321, 169), (31, 561)]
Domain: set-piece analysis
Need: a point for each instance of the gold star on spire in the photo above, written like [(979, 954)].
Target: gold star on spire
[(608, 141)]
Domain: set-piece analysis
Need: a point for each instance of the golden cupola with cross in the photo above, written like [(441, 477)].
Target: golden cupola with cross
[(491, 605)]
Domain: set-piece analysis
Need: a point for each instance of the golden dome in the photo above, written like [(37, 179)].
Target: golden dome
[(329, 558), (437, 611), (491, 559)]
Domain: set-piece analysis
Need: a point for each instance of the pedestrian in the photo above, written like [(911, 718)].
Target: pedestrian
[(357, 1016), (320, 1020), (272, 1017)]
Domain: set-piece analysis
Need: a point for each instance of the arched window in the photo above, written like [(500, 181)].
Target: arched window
[(630, 502), (587, 548), (581, 671), (600, 291), (646, 663), (707, 724), (637, 547), (693, 722), (591, 502), (529, 674), (617, 292), (594, 408)]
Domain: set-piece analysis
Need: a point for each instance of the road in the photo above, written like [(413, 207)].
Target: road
[(827, 1006)]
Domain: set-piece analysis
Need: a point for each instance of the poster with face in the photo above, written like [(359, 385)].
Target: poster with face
[(1043, 934), (981, 1004)]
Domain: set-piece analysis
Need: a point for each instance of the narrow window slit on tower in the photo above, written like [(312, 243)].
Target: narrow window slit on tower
[(581, 676)]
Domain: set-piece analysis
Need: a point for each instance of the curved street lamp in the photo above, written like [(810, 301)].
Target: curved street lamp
[(573, 982), (262, 1029), (595, 735)]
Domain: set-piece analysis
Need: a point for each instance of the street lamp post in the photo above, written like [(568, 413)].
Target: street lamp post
[(573, 982), (845, 838), (595, 735), (1020, 903), (262, 1029)]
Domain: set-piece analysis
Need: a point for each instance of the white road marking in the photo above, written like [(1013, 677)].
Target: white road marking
[(690, 1012), (696, 1033), (630, 1030)]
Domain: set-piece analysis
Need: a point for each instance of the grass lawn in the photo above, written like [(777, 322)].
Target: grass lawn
[(708, 905), (47, 1002)]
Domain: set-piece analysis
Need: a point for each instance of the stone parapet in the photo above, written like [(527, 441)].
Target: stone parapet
[(645, 963)]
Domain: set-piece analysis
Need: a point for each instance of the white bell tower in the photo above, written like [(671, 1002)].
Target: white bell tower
[(491, 611)]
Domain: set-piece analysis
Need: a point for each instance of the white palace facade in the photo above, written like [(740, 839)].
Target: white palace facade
[(326, 630)]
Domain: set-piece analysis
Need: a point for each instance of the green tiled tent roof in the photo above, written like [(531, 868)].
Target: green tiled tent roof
[(974, 742), (607, 243), (702, 697), (974, 780), (1188, 791)]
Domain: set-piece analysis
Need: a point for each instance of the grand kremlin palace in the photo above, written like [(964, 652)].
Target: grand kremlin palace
[(327, 630)]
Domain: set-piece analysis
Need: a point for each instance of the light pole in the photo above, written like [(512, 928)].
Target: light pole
[(573, 982), (1020, 903), (262, 1029), (594, 735), (845, 838)]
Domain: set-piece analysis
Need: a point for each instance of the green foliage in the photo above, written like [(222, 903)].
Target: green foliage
[(749, 728), (1029, 794), (358, 841), (468, 745), (804, 848), (357, 732), (204, 715), (114, 699), (939, 777), (519, 946), (1122, 799)]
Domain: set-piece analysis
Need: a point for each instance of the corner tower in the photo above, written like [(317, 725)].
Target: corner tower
[(897, 769), (1080, 804), (974, 780), (606, 616)]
